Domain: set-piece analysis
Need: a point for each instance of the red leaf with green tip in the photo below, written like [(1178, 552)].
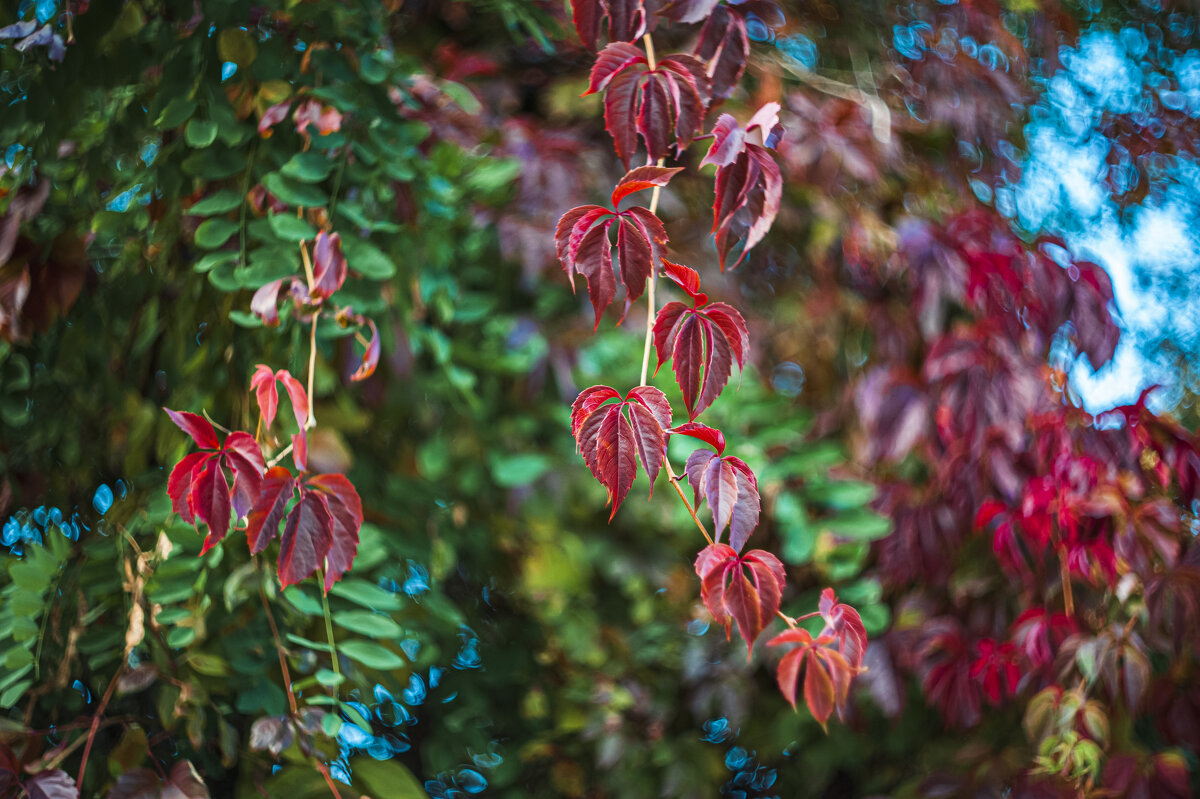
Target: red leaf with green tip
[(307, 538), (745, 588), (263, 523), (195, 426), (345, 508)]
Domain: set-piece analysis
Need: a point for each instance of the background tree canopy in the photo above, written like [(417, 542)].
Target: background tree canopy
[(922, 316)]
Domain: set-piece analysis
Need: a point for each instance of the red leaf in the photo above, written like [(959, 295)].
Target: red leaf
[(615, 456), (666, 327), (300, 450), (246, 461), (263, 522), (745, 511), (845, 625), (689, 11), (694, 468), (272, 117), (655, 401), (612, 438), (687, 359), (297, 395), (728, 485), (720, 491), (594, 262), (731, 594), (307, 538), (195, 426), (654, 119), (611, 61), (179, 484), (589, 400), (209, 500), (620, 113), (52, 784), (267, 396), (709, 435), (725, 44), (827, 675), (687, 279), (644, 177), (635, 258), (264, 303), (329, 265), (370, 360), (733, 326), (650, 440), (718, 362), (728, 142), (626, 20), (345, 507)]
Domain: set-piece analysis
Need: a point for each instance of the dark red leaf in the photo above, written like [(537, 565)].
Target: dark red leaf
[(246, 461), (634, 257), (626, 20), (195, 426), (615, 456), (650, 440), (209, 500), (329, 265), (621, 104), (263, 523), (729, 487), (687, 359), (733, 326), (307, 538), (746, 509), (345, 507), (179, 484), (263, 385), (594, 262), (688, 11), (184, 783), (611, 61), (718, 362), (654, 119), (745, 589), (725, 45), (644, 177)]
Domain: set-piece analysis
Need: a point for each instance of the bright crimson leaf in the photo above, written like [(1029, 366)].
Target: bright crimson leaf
[(195, 426), (644, 177), (845, 625), (209, 500), (746, 589), (656, 104)]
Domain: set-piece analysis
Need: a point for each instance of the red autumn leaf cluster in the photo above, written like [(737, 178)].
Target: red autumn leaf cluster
[(726, 482)]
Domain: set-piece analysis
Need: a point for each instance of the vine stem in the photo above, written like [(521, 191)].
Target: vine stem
[(311, 422), (686, 503), (333, 655), (652, 281), (287, 683)]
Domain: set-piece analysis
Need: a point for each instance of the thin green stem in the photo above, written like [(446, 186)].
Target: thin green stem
[(333, 655)]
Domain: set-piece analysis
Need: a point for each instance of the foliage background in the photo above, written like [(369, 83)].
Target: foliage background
[(571, 657)]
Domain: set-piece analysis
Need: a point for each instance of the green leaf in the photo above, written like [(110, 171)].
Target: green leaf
[(331, 724), (364, 622), (494, 174), (223, 201), (293, 192), (244, 319), (371, 655), (521, 469), (319, 646), (212, 233), (302, 601), (367, 259), (178, 111), (387, 778), (14, 693), (180, 637), (330, 679), (860, 524), (355, 716), (308, 167), (843, 494), (238, 46), (461, 95), (200, 133), (289, 228), (360, 592)]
